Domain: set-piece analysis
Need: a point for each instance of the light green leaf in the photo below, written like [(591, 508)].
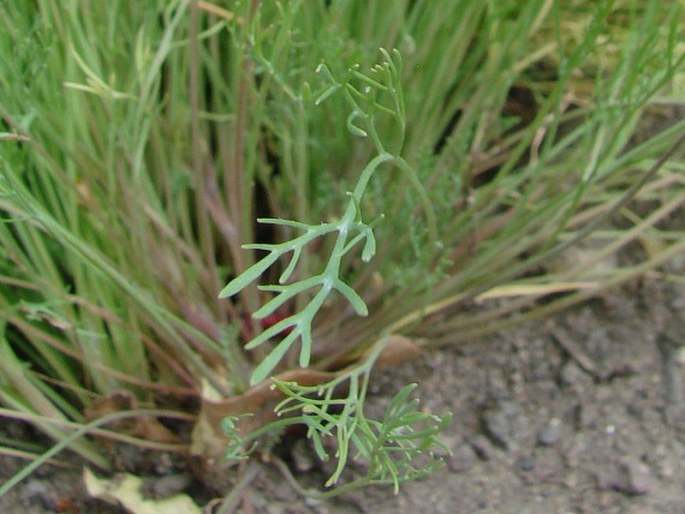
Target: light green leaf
[(272, 331), (328, 92), (352, 127), (369, 249), (351, 295), (249, 275), (285, 294), (267, 365)]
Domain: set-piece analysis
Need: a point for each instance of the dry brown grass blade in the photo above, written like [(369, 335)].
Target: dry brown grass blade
[(144, 427), (259, 401)]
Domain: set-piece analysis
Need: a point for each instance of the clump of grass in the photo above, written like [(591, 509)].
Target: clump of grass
[(140, 141)]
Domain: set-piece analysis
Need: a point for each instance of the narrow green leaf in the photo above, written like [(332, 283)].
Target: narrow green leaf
[(328, 92), (306, 348), (291, 265), (398, 401), (267, 365), (369, 81), (351, 295), (285, 294), (369, 249), (318, 447), (272, 331), (352, 127), (266, 247), (285, 223), (249, 275)]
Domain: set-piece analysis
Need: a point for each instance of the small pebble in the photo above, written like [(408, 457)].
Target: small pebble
[(550, 434), (526, 463), (629, 476), (570, 374), (665, 462), (482, 447), (463, 459), (588, 416), (633, 478), (497, 428), (499, 423)]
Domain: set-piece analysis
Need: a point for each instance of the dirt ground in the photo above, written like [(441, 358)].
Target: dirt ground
[(583, 413)]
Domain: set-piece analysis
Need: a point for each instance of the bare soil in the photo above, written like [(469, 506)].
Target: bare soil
[(582, 413)]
